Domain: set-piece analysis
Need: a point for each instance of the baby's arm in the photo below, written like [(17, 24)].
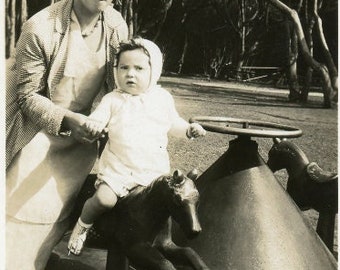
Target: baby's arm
[(180, 127), (99, 118)]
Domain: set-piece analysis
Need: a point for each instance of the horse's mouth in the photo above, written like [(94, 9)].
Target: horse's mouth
[(193, 233)]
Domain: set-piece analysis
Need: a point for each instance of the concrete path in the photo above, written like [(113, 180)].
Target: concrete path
[(231, 86)]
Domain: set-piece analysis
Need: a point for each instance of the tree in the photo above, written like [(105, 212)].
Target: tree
[(17, 12), (144, 17), (314, 19), (249, 12), (10, 27), (321, 69), (218, 37)]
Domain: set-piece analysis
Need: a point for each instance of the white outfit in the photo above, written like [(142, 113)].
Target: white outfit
[(136, 152), (43, 180)]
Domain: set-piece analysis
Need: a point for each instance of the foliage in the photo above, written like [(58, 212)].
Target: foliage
[(215, 37)]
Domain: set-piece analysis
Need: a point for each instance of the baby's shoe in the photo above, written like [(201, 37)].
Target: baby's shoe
[(78, 237)]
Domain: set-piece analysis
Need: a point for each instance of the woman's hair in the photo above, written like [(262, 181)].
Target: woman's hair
[(130, 45)]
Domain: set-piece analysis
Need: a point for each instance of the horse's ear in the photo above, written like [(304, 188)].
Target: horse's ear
[(276, 140), (178, 177), (193, 174)]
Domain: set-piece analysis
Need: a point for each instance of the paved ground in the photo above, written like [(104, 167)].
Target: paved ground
[(201, 97), (232, 86)]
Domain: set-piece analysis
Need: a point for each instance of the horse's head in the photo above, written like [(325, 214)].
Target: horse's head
[(285, 154), (183, 202)]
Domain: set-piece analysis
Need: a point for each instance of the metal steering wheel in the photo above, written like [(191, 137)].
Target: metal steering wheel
[(266, 130)]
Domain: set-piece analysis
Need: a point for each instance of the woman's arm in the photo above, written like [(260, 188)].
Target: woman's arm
[(32, 64)]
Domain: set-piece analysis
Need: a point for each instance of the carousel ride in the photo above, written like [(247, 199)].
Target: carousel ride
[(241, 216), (248, 220)]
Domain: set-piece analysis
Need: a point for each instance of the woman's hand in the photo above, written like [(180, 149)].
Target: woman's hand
[(76, 123)]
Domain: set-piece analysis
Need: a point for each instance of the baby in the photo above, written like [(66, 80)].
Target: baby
[(138, 116)]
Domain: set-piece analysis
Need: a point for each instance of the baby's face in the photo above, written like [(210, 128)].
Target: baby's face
[(133, 72)]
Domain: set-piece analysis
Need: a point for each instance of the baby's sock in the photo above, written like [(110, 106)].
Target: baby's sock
[(83, 224)]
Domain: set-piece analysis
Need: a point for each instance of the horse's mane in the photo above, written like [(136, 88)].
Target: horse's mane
[(157, 181), (140, 192)]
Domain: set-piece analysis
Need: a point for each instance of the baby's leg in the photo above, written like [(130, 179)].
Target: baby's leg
[(103, 200)]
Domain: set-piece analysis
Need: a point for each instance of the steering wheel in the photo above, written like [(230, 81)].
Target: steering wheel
[(266, 130)]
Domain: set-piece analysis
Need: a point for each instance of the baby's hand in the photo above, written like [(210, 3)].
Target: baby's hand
[(95, 129), (195, 130)]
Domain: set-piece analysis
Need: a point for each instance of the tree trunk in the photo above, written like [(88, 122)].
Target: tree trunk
[(8, 29), (124, 9), (127, 12), (309, 22), (291, 70), (12, 27), (181, 61), (324, 47), (135, 16), (23, 14), (129, 19), (242, 34), (166, 7), (320, 68)]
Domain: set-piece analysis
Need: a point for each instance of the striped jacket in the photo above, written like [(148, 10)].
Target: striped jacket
[(39, 66)]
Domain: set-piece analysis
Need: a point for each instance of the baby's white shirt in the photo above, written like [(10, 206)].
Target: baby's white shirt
[(136, 152)]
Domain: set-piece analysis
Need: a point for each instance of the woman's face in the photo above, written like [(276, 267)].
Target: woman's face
[(133, 72), (94, 6)]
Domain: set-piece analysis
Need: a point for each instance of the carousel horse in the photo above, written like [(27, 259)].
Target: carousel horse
[(308, 185), (139, 226)]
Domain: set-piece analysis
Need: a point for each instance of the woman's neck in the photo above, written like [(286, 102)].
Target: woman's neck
[(84, 15)]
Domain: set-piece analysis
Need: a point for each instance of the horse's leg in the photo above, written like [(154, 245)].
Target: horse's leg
[(116, 259), (325, 228), (183, 256), (179, 255), (144, 256)]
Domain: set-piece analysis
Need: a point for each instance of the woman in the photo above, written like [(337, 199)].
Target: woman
[(63, 67)]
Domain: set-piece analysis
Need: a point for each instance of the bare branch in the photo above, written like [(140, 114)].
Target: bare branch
[(311, 62)]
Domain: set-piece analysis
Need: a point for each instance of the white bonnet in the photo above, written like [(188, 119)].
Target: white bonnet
[(155, 56)]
